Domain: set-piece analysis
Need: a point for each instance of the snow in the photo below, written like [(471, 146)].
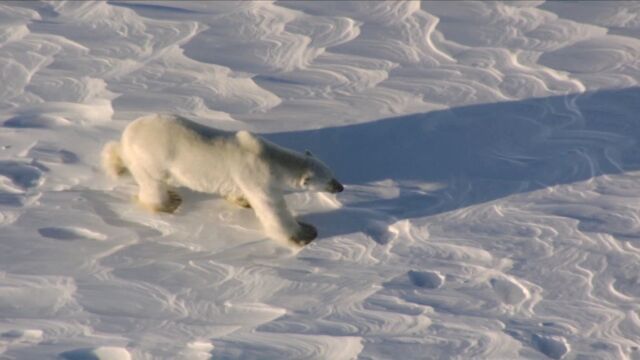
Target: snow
[(489, 152)]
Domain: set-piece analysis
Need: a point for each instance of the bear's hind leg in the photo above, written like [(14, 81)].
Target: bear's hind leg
[(174, 202), (154, 195)]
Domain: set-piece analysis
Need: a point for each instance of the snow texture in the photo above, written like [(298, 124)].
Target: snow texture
[(489, 152)]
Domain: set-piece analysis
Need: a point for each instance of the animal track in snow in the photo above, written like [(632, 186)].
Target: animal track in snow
[(51, 153), (99, 353), (22, 176), (70, 233), (30, 336), (16, 178), (555, 347), (426, 279), (37, 121)]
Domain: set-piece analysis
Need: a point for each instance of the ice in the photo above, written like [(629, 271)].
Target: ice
[(489, 152)]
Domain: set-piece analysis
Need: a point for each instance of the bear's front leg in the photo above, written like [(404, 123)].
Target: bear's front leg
[(305, 234), (272, 211)]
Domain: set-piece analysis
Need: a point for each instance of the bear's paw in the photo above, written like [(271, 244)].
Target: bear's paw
[(305, 234)]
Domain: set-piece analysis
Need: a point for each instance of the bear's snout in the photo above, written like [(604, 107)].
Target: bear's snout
[(335, 186)]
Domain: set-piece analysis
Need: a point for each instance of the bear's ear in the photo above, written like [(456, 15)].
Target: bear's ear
[(249, 142), (308, 153)]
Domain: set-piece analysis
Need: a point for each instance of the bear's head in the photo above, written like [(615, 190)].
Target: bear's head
[(318, 177)]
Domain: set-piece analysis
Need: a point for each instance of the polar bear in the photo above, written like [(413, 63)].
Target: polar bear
[(166, 151)]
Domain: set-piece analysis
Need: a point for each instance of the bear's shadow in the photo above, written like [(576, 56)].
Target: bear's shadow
[(450, 159)]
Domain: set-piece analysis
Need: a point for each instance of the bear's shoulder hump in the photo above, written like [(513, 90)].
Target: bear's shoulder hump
[(249, 141)]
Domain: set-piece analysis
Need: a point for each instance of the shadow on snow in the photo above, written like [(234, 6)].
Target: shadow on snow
[(475, 154)]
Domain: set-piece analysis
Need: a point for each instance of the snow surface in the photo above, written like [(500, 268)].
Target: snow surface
[(489, 152)]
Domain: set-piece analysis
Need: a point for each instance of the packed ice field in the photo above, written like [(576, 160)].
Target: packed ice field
[(488, 150)]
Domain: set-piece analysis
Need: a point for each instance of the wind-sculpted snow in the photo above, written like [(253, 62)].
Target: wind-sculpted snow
[(489, 151)]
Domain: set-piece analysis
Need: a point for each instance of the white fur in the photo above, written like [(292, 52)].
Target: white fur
[(112, 159), (162, 151)]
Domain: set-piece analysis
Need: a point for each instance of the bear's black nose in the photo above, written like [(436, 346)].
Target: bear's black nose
[(335, 186)]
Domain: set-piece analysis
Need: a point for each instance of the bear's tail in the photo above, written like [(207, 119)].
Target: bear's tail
[(112, 162)]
